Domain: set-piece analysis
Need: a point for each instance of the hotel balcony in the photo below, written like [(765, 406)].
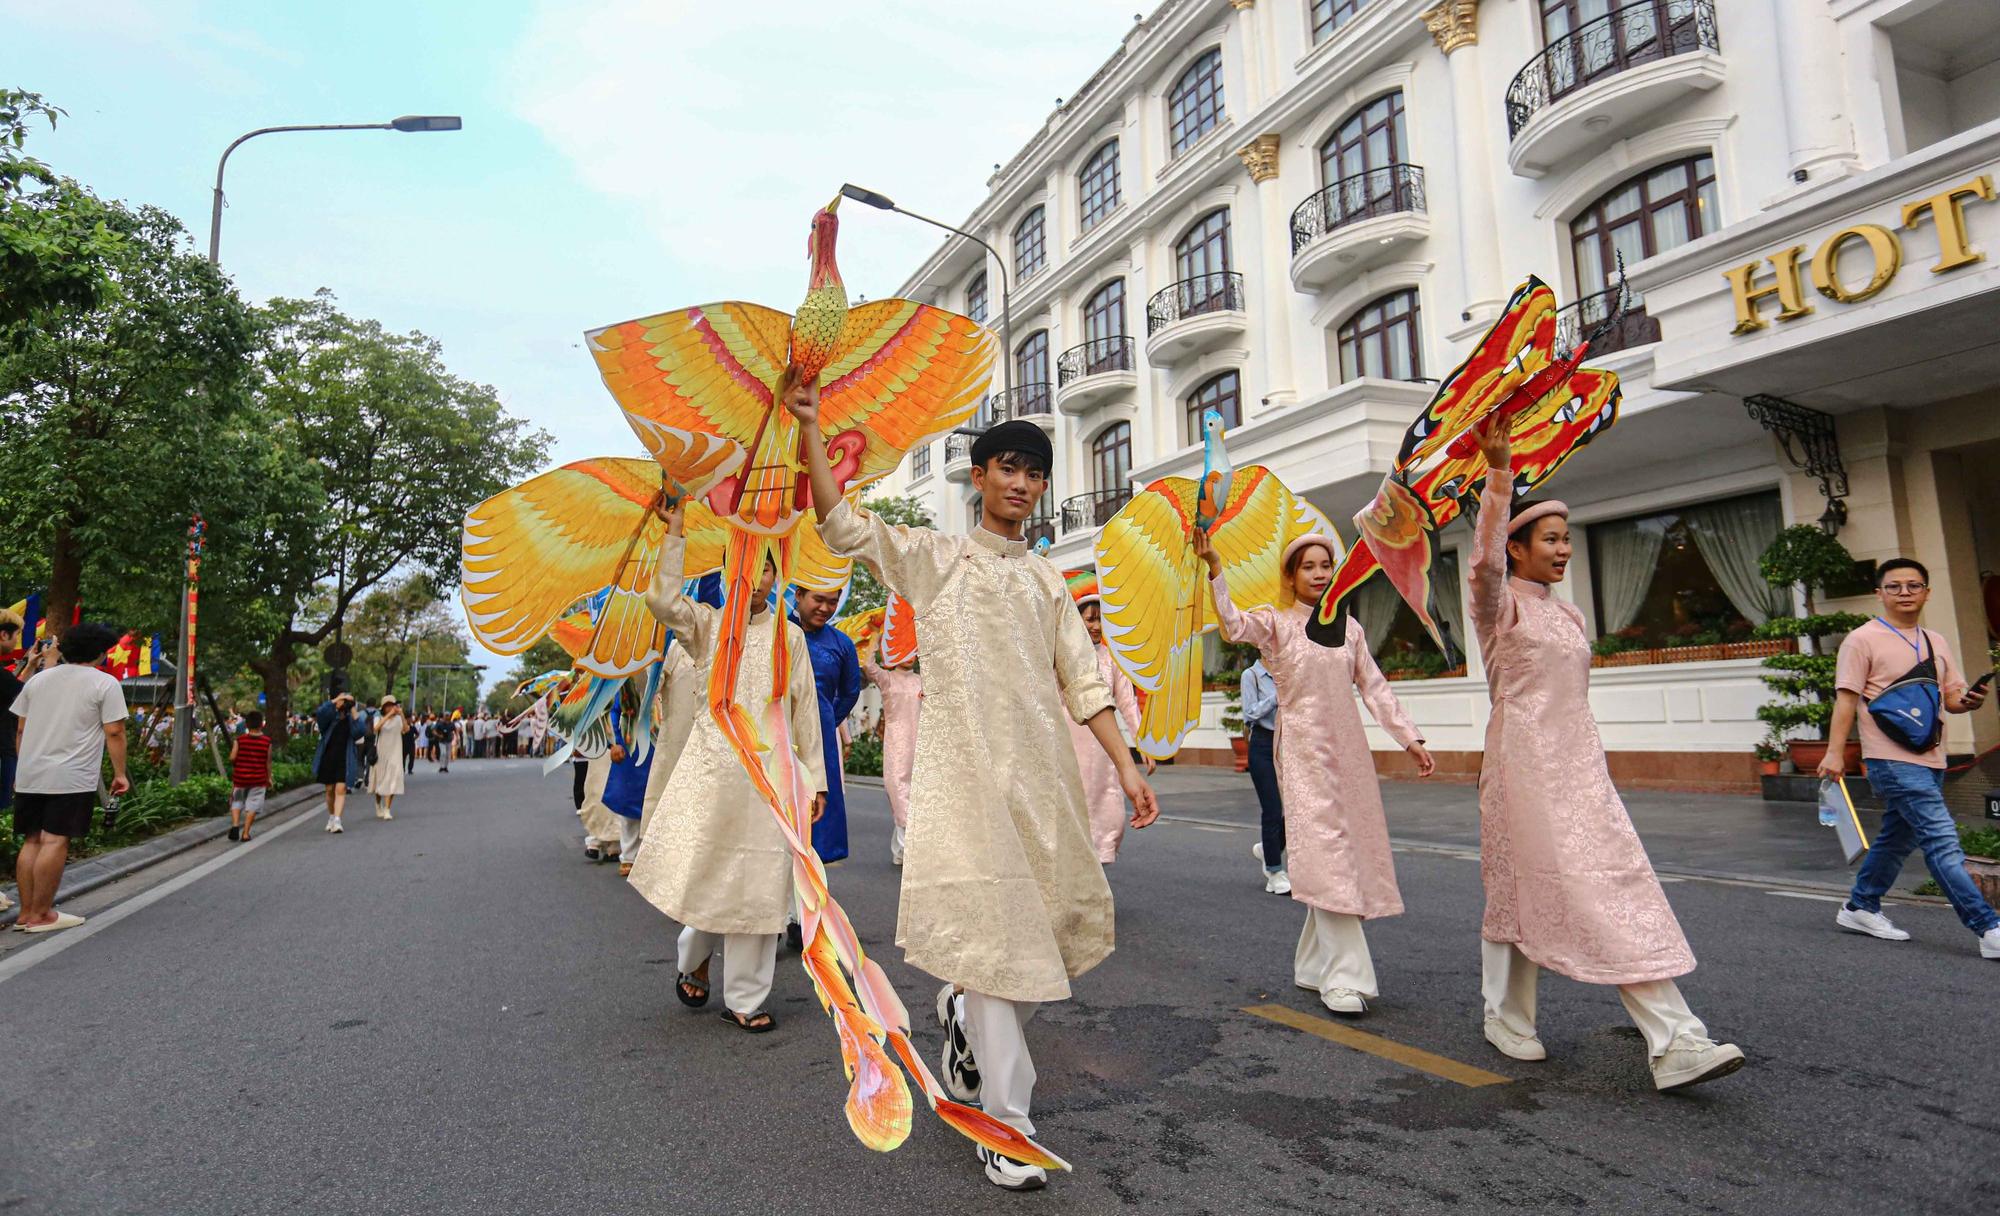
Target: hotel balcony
[(1028, 402), (1193, 317), (1583, 318), (958, 457), (1595, 84), (1357, 222), (1095, 371), (1088, 512)]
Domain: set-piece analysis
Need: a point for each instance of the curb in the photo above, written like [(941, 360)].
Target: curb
[(107, 868)]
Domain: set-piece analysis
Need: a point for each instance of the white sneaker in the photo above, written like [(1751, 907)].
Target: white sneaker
[(1989, 942), (1514, 1046), (1691, 1059), (336, 828), (1874, 924), (1257, 850), (895, 857), (1344, 1001), (330, 822), (1277, 882), (1012, 1175)]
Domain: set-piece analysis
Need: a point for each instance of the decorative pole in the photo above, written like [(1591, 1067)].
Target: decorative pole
[(184, 694)]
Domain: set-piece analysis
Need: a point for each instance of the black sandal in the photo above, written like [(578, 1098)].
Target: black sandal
[(759, 1022), (688, 982)]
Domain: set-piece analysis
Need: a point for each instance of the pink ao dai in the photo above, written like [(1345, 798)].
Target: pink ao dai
[(902, 692), (1567, 880), (1102, 794), (1336, 838)]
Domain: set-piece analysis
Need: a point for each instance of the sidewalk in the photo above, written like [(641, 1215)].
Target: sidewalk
[(1709, 835)]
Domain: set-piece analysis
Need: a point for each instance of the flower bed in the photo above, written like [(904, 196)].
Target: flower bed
[(1695, 654)]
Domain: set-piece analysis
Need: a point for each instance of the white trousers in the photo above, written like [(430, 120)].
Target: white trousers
[(749, 964), (896, 842), (628, 839), (1333, 953), (997, 1030), (1507, 979)]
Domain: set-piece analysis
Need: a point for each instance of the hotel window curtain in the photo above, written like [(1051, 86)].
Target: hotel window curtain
[(1628, 555), (1732, 535), (1376, 603), (1450, 600)]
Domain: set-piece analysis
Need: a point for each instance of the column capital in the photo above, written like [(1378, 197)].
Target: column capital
[(1453, 24), (1260, 156), (1240, 5)]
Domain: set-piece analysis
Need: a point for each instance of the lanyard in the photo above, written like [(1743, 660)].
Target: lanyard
[(1915, 646)]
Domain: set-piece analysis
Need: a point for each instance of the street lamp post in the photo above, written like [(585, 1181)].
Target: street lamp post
[(868, 197), (184, 707)]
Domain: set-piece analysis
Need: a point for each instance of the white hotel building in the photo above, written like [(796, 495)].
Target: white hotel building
[(1297, 211)]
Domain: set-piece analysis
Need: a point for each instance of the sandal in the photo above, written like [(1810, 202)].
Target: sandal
[(759, 1022), (693, 992)]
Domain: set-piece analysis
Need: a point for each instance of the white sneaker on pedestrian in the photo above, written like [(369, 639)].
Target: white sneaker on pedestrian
[(1012, 1175), (1514, 1046), (1989, 944), (1691, 1059), (958, 1069), (330, 821), (895, 857), (1257, 850), (336, 828), (1344, 1001), (1874, 924), (1277, 882)]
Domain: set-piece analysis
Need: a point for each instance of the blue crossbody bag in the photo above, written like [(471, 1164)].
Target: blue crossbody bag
[(1911, 709)]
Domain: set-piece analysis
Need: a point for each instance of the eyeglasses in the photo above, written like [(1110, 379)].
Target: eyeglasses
[(1905, 588)]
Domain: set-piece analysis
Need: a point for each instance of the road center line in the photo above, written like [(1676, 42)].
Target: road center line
[(26, 957), (1436, 1065)]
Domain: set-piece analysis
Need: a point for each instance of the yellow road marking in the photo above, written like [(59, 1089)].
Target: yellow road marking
[(1375, 1045)]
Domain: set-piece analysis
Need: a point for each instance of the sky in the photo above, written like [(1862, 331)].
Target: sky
[(619, 157)]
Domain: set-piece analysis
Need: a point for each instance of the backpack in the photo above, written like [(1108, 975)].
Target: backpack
[(1911, 709)]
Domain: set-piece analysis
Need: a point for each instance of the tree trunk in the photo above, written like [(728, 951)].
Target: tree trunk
[(274, 670), (65, 582)]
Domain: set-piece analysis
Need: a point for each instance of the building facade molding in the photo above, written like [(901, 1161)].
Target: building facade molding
[(1260, 157), (1453, 24)]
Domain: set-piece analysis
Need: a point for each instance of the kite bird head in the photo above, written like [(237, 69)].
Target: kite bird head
[(819, 245), (1215, 470)]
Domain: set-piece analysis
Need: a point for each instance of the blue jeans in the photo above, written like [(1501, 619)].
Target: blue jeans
[(1264, 776), (1917, 819)]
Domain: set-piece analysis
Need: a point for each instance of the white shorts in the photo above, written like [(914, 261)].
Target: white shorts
[(247, 798)]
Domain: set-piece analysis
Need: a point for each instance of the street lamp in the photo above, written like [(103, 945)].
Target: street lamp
[(869, 198), (183, 707)]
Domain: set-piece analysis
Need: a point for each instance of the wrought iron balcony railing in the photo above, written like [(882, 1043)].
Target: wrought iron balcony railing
[(1221, 291), (1633, 327), (1038, 528), (1093, 510), (1022, 401), (1627, 37), (1097, 355), (957, 448), (1364, 196)]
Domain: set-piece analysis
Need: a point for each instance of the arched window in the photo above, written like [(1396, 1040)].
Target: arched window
[(1224, 395), (1030, 251), (1204, 247), (1031, 375), (1330, 15), (1665, 206), (1194, 104), (1098, 184), (975, 299), (1372, 138), (1111, 457), (1381, 340), (1103, 326)]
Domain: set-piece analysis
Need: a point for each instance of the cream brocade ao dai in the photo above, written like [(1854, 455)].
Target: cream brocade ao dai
[(681, 687), (1002, 891), (1336, 838), (1567, 880), (716, 859)]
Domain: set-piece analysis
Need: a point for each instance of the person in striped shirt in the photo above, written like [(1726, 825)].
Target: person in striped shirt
[(249, 774)]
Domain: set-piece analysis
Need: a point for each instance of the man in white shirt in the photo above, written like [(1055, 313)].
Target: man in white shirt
[(68, 716)]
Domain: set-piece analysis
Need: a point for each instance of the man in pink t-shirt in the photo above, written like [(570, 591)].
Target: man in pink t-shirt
[(1888, 650)]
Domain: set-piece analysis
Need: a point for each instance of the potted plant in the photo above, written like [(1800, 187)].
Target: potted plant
[(1237, 657), (1982, 859), (1805, 558), (1768, 757)]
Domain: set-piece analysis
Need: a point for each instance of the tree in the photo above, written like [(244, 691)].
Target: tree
[(402, 620), (865, 592), (57, 241), (399, 447), (122, 416)]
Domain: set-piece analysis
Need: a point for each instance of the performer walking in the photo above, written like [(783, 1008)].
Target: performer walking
[(1337, 839), (902, 693), (1568, 885), (1003, 897), (837, 680), (726, 874), (625, 783), (1101, 790)]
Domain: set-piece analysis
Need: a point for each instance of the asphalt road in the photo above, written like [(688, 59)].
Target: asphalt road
[(453, 1012)]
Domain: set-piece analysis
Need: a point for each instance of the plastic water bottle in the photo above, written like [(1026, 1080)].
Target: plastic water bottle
[(1829, 798)]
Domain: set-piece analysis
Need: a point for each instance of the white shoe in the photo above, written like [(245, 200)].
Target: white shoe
[(1012, 1175), (1989, 944), (1257, 850), (896, 857), (63, 920), (1874, 924), (330, 822), (1344, 1001), (1691, 1059), (1277, 882), (336, 828), (1514, 1046)]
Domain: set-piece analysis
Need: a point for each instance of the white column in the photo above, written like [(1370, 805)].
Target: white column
[(1818, 120), (1454, 27), (1249, 39), (1274, 289)]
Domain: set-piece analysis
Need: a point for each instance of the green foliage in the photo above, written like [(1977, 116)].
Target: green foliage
[(865, 592), (864, 756), (1818, 625), (1977, 842), (57, 241), (1237, 658), (544, 655), (403, 619), (1608, 645), (1804, 556)]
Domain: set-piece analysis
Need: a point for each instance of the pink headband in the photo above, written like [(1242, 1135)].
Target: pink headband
[(1541, 510), (1310, 538)]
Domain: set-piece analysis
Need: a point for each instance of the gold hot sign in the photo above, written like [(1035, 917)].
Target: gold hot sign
[(1885, 253)]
